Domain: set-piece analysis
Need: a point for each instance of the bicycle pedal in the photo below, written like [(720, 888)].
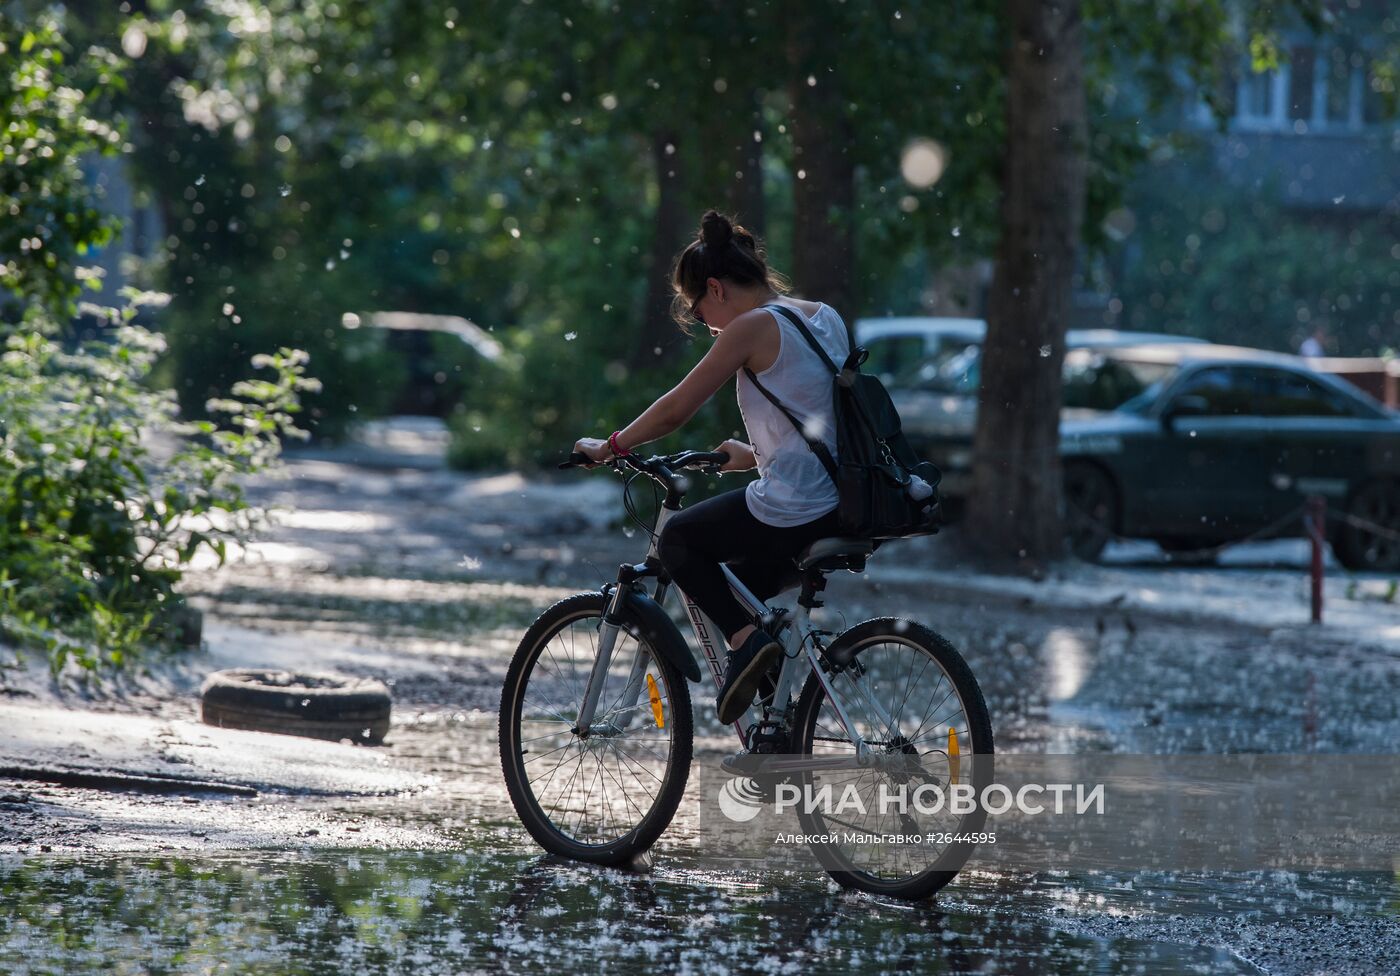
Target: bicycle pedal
[(767, 735), (766, 740)]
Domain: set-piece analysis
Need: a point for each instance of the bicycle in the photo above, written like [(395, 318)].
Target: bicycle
[(596, 728)]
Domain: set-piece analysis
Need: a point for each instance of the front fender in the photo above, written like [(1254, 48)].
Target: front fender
[(658, 630)]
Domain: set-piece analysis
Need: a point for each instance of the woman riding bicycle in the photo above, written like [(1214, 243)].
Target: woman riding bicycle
[(723, 282)]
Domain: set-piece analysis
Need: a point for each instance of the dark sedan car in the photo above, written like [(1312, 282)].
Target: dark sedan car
[(1226, 442)]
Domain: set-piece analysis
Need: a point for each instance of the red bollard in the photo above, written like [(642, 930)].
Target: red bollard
[(1315, 521)]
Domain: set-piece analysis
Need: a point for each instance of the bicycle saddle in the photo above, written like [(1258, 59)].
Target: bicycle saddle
[(837, 552)]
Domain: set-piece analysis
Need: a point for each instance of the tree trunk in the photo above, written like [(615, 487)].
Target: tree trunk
[(1014, 512), (659, 339), (823, 231)]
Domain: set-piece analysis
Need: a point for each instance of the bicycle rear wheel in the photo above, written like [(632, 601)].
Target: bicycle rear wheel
[(606, 797), (917, 706)]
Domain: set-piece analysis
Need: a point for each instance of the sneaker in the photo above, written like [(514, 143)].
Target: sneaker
[(747, 666)]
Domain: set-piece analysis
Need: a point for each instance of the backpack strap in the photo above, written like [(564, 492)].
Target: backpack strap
[(792, 317), (818, 448)]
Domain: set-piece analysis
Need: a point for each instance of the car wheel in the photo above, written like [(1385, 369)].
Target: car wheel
[(320, 706), (1091, 510), (1361, 547)]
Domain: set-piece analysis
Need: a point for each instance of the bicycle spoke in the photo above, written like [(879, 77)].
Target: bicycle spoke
[(625, 797), (924, 719), (634, 762), (541, 755), (568, 789), (551, 711)]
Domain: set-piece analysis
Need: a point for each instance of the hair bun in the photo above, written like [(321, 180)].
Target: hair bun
[(715, 229)]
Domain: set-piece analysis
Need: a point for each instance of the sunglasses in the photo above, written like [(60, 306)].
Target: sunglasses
[(695, 310)]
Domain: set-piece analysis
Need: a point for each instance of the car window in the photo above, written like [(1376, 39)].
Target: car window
[(893, 357), (1143, 402), (1293, 394), (1226, 390), (1260, 391), (955, 368), (1097, 381)]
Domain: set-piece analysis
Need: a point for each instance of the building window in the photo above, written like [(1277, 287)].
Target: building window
[(1259, 98), (1332, 87), (1343, 68)]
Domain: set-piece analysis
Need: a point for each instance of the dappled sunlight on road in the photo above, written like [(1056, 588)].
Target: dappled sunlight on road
[(1067, 663), (331, 520)]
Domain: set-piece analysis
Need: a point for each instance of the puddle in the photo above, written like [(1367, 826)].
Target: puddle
[(506, 908)]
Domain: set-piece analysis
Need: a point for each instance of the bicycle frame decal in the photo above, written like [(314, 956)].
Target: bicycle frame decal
[(700, 625), (704, 627)]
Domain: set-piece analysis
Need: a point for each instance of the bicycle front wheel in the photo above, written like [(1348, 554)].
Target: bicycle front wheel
[(607, 796), (913, 700)]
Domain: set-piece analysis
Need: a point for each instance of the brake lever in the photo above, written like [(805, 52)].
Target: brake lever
[(576, 459)]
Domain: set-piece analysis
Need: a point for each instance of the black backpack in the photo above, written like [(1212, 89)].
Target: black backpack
[(876, 469)]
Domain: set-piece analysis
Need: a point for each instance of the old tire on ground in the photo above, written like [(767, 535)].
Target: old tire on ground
[(321, 706)]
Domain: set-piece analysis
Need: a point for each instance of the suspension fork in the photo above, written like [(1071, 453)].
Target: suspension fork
[(607, 638), (632, 691), (627, 577)]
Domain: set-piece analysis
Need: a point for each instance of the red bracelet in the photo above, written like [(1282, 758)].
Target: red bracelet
[(612, 445)]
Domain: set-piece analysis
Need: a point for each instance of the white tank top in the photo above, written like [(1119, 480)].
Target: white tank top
[(793, 488)]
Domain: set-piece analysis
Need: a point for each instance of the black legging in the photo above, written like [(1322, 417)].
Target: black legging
[(718, 530)]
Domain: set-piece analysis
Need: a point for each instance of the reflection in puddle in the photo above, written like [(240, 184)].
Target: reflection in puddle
[(515, 911)]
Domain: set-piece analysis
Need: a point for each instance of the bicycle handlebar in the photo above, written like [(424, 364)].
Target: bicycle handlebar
[(658, 468), (659, 465), (698, 459)]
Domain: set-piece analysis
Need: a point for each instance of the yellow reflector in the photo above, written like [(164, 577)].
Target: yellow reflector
[(655, 702), (954, 751)]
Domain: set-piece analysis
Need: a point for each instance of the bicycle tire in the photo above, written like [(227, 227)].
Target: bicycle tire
[(675, 694), (849, 646)]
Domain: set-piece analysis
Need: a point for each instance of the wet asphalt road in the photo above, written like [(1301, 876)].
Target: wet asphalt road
[(464, 889)]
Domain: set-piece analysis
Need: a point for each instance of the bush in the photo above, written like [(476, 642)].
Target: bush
[(94, 531), (95, 528)]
